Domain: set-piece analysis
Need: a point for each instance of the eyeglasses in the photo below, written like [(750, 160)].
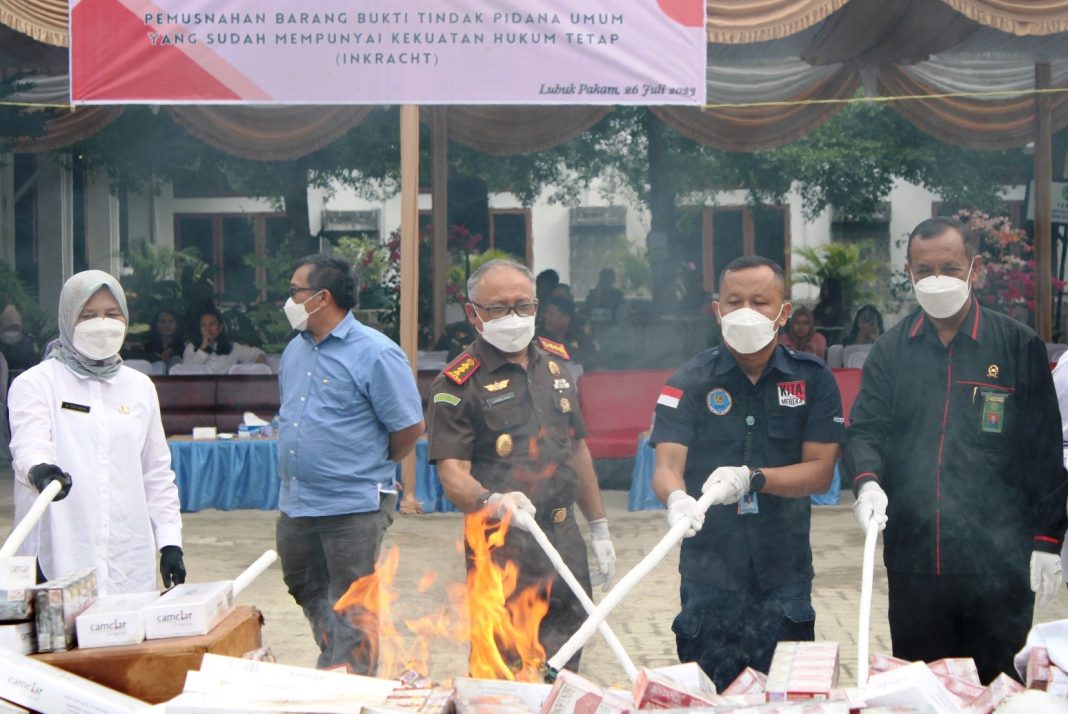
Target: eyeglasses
[(523, 309), (293, 291)]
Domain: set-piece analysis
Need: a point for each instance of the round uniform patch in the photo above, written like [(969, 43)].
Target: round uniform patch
[(719, 401)]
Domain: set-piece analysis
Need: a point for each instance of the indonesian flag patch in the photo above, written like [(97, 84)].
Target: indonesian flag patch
[(669, 397), (792, 394)]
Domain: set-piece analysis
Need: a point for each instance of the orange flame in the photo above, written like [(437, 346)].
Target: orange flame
[(502, 625)]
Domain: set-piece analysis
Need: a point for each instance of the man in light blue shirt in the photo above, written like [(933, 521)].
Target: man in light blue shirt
[(349, 410)]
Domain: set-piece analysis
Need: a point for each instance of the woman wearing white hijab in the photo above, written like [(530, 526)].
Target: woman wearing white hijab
[(84, 419)]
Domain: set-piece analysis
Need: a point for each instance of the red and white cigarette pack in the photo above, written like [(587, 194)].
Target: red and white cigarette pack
[(572, 694), (750, 681), (995, 693), (532, 694), (959, 667), (913, 685), (415, 701), (962, 690), (884, 663), (802, 670), (1042, 674), (654, 690)]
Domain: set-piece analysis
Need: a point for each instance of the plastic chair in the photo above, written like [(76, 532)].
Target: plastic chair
[(834, 357), (141, 365), (253, 368), (180, 369), (853, 356)]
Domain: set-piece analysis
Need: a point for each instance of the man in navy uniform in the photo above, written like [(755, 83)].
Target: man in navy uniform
[(760, 424)]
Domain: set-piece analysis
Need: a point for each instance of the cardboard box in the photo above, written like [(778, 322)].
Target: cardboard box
[(155, 670), (41, 687), (572, 694), (16, 604), (653, 690), (19, 637), (114, 620), (57, 604), (750, 681), (532, 694), (189, 609), (369, 689), (913, 685), (689, 675), (18, 572), (802, 670)]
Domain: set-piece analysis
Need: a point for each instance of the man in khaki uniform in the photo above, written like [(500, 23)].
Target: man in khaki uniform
[(507, 435)]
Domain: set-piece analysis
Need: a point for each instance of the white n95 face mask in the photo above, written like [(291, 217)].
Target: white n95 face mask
[(297, 314), (509, 334), (99, 338), (747, 331), (942, 296)]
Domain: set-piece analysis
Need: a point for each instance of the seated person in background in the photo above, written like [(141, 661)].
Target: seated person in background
[(215, 350), (166, 341), (18, 349), (562, 290), (543, 291), (867, 326), (604, 300), (829, 314), (564, 326), (455, 338), (800, 335)]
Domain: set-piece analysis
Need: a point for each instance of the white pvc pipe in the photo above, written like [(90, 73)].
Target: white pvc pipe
[(253, 571), (626, 584), (527, 523), (871, 537), (40, 504)]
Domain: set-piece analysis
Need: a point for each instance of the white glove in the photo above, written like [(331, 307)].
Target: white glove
[(870, 506), (512, 502), (604, 553), (730, 482), (683, 507), (1045, 576)]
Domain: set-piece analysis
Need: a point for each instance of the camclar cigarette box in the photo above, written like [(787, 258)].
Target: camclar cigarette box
[(43, 688), (189, 610), (16, 604), (115, 620), (57, 604), (20, 637)]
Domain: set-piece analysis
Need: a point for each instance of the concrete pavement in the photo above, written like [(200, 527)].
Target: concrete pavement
[(219, 544)]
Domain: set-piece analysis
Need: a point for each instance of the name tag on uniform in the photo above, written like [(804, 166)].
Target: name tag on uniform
[(748, 504), (992, 420), (499, 398), (72, 407)]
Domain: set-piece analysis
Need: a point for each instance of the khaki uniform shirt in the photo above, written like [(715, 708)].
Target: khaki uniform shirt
[(517, 427)]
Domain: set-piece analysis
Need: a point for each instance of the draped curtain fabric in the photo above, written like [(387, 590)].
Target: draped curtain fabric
[(741, 21), (763, 127), (43, 20), (1020, 17), (966, 121), (68, 127), (517, 130), (268, 133)]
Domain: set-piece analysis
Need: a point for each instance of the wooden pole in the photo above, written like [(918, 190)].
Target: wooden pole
[(440, 193), (409, 261), (1043, 205)]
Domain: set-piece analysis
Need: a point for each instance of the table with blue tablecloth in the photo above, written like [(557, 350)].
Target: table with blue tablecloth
[(642, 498), (229, 474)]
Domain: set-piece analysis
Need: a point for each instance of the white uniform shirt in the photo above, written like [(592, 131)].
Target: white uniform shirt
[(221, 364), (123, 505)]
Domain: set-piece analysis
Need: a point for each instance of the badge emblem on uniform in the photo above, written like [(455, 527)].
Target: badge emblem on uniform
[(565, 405), (504, 445), (496, 386), (791, 394), (992, 371), (561, 383), (719, 401), (124, 409), (554, 369)]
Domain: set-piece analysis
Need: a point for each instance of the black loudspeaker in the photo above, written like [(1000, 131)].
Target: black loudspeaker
[(469, 206)]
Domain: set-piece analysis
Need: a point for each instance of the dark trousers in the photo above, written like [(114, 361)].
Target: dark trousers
[(725, 631), (566, 613), (321, 557), (983, 617)]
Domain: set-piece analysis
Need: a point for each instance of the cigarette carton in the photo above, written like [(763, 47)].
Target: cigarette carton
[(44, 688), (532, 694), (802, 670), (653, 690), (16, 604), (9, 708), (57, 604), (18, 571), (189, 610), (689, 675), (223, 670), (114, 620), (19, 637), (750, 681), (415, 701), (959, 667), (913, 685), (998, 691), (572, 694)]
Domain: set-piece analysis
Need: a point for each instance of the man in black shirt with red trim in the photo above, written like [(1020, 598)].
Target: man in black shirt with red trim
[(954, 448)]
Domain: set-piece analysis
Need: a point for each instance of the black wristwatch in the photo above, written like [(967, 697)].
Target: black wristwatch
[(483, 499), (757, 479)]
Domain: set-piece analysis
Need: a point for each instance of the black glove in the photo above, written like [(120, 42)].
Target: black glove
[(171, 565), (43, 474)]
